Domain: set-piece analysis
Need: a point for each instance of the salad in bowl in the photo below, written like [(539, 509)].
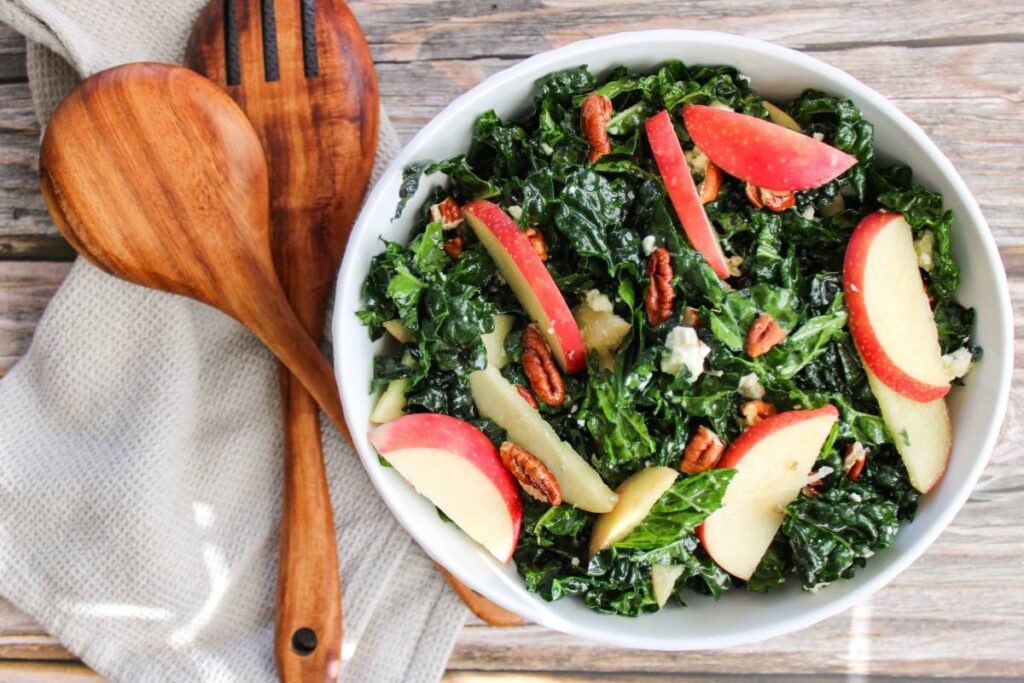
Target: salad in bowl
[(548, 580), (658, 336)]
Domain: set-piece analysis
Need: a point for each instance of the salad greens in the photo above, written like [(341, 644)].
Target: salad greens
[(594, 218)]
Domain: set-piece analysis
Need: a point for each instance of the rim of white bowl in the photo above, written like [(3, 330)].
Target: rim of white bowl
[(813, 614)]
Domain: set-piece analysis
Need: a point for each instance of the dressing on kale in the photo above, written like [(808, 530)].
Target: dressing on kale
[(595, 219)]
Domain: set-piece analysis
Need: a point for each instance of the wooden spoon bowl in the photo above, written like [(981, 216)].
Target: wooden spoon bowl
[(156, 176)]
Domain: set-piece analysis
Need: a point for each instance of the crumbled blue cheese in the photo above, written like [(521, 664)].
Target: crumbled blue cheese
[(718, 104), (808, 213), (649, 244), (818, 136), (596, 301), (751, 387), (958, 363), (547, 149), (683, 348), (515, 211), (924, 247)]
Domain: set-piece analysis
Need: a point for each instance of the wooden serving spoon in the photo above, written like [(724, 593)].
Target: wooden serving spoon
[(303, 74), (155, 175)]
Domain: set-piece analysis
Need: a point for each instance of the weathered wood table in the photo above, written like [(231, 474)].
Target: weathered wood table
[(955, 68)]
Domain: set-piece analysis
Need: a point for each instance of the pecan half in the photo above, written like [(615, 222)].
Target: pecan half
[(691, 317), (755, 411), (763, 335), (448, 212), (702, 453), (594, 116), (770, 199), (453, 246), (712, 183), (545, 380), (853, 462), (811, 489), (660, 293), (527, 396), (532, 475), (536, 238), (815, 480)]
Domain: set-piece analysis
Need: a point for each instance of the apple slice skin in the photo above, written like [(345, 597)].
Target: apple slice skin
[(761, 152), (668, 155), (530, 280), (418, 434), (733, 458), (869, 345)]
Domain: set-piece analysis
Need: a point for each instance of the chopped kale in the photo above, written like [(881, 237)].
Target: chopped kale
[(597, 219)]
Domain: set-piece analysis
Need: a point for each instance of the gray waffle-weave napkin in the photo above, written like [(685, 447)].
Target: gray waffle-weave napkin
[(140, 453)]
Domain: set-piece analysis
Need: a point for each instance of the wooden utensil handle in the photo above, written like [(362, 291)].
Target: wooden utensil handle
[(277, 326), (483, 608), (307, 628)]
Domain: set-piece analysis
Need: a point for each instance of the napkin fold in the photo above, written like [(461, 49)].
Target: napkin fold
[(141, 453)]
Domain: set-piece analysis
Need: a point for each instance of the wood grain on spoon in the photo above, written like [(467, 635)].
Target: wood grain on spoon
[(155, 175), (308, 86)]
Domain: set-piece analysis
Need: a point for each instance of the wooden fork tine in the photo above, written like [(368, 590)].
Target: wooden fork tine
[(289, 37), (249, 16)]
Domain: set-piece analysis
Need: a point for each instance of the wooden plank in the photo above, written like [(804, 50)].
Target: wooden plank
[(12, 55), (26, 231), (415, 30), (51, 672), (25, 289), (593, 677)]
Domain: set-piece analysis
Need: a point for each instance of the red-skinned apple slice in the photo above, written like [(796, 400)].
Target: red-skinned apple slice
[(458, 469), (771, 460), (668, 155), (761, 152), (890, 319), (530, 280)]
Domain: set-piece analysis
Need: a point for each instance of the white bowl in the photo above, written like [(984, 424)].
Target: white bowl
[(740, 617)]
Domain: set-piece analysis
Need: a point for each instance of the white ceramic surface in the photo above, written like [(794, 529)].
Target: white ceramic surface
[(740, 617)]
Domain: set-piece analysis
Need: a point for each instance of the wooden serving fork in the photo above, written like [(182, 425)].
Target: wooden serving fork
[(303, 74)]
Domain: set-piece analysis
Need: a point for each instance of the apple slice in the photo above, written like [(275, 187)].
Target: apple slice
[(761, 152), (494, 342), (458, 469), (922, 431), (496, 399), (780, 117), (668, 155), (530, 280), (664, 577), (771, 460), (891, 320), (637, 495), (399, 331), (391, 404)]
